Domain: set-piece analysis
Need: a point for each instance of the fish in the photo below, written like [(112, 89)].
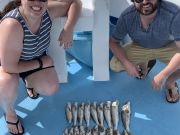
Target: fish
[(66, 131), (74, 113), (116, 132), (71, 131), (95, 130), (124, 132), (107, 113), (68, 112), (80, 113), (87, 131), (125, 116), (81, 130), (115, 114), (109, 131), (76, 130), (100, 114), (94, 113), (144, 68), (87, 114), (101, 130)]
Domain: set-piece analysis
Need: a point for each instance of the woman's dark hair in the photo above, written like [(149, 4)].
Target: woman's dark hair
[(1, 15), (10, 6), (133, 0)]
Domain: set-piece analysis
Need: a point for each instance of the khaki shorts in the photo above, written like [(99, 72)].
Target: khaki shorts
[(137, 54)]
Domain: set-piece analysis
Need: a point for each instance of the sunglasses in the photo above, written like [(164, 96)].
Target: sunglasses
[(39, 0), (137, 1)]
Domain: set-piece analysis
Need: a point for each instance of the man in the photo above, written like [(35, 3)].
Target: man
[(153, 26)]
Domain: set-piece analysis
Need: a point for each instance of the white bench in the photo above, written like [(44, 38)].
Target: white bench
[(95, 18)]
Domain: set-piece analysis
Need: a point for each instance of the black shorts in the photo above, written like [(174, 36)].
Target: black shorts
[(23, 75)]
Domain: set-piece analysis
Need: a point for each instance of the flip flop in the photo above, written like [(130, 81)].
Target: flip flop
[(171, 91), (15, 124), (35, 96), (144, 72)]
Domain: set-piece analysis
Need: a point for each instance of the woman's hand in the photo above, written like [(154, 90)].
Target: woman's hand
[(47, 61), (66, 38)]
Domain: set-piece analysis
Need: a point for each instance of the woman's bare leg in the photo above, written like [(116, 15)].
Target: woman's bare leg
[(8, 94)]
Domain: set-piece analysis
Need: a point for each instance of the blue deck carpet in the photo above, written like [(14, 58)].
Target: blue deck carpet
[(151, 114)]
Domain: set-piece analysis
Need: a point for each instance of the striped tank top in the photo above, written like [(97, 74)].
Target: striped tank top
[(34, 45)]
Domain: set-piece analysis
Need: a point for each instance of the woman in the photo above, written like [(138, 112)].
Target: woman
[(24, 39)]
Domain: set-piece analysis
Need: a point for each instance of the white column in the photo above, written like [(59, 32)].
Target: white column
[(100, 41), (58, 53)]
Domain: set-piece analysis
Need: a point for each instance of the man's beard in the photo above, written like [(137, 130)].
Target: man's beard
[(149, 10)]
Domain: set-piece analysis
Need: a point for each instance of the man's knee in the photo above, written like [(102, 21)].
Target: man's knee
[(115, 65)]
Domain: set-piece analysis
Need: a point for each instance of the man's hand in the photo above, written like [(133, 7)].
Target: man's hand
[(131, 69)]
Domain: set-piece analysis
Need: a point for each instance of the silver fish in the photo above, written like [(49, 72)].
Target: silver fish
[(71, 131), (66, 131), (81, 130), (124, 132), (95, 130), (76, 130), (107, 113), (74, 113), (109, 131), (80, 113), (115, 114), (87, 131), (142, 68), (87, 114), (125, 116), (94, 113), (100, 114), (101, 130), (68, 112), (116, 132)]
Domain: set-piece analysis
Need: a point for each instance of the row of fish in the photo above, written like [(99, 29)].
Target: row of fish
[(75, 114)]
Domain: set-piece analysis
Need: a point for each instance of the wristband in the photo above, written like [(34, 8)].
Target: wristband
[(40, 63)]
